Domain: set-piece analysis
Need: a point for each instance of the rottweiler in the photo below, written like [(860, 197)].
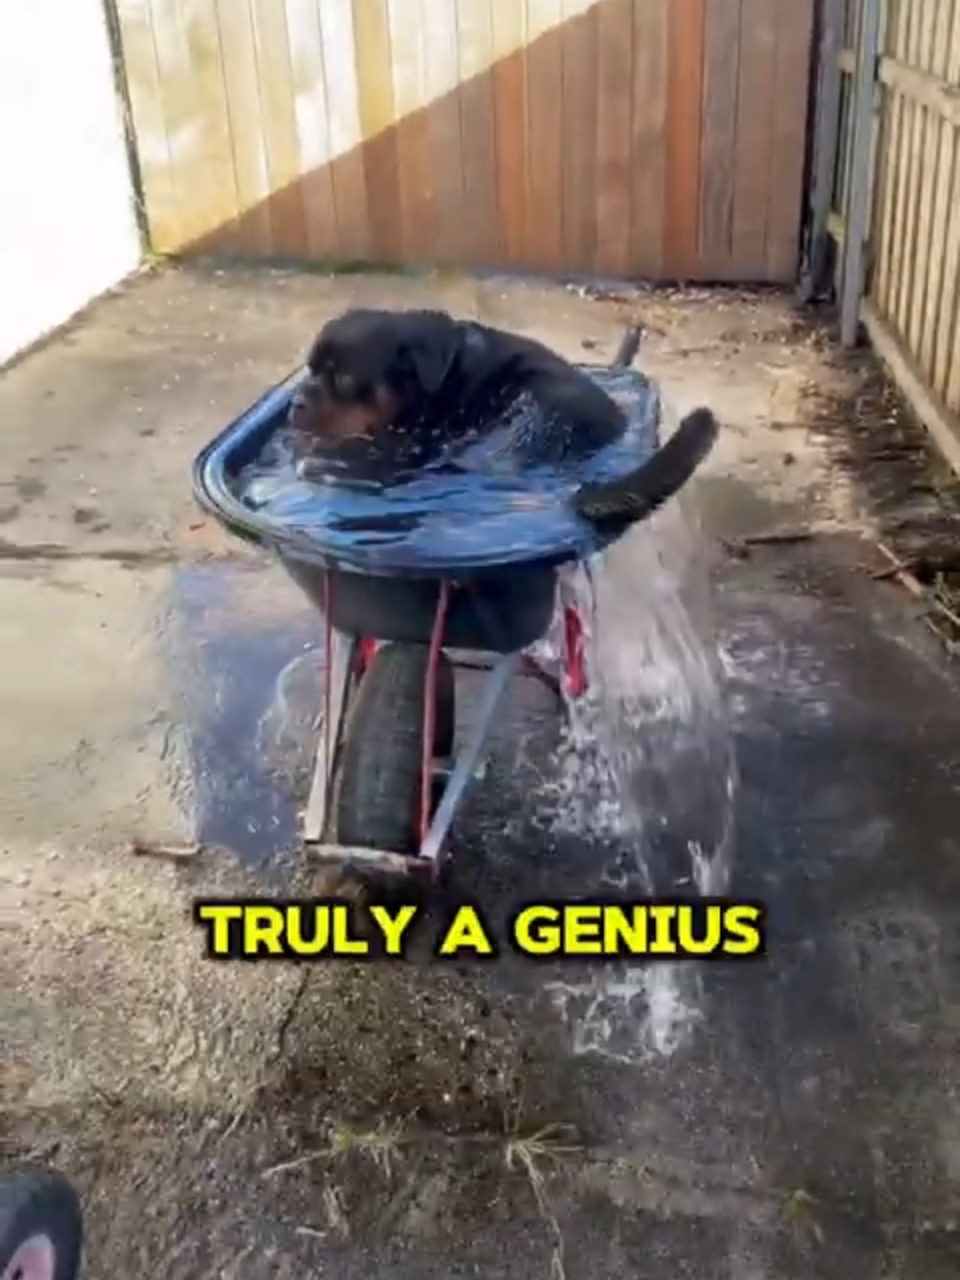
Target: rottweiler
[(393, 389)]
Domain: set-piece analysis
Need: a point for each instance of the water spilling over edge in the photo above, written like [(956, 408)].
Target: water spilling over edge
[(646, 768)]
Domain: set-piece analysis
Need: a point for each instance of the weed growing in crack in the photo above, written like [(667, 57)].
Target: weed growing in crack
[(531, 1154)]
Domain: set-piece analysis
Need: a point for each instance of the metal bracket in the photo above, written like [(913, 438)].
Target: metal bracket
[(496, 685), (853, 278), (814, 275)]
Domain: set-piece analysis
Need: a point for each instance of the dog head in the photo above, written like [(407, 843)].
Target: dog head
[(318, 420), (368, 366)]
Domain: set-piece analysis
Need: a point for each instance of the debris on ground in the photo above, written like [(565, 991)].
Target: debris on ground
[(740, 547), (165, 852), (940, 615)]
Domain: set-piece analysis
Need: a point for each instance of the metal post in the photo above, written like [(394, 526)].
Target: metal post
[(826, 144), (338, 680), (858, 213)]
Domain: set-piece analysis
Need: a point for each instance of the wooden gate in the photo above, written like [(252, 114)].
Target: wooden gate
[(651, 138), (887, 191)]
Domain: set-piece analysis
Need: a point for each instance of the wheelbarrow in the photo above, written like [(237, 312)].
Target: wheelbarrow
[(410, 593)]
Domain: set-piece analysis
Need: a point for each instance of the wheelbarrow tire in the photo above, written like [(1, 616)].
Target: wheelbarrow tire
[(377, 803), (39, 1204)]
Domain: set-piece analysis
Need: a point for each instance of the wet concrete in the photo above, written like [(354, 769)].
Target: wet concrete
[(238, 1121)]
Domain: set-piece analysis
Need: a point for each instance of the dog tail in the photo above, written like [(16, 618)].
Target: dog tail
[(615, 505)]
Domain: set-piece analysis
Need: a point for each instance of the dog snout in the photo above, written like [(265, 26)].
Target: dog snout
[(304, 404), (307, 393), (298, 410)]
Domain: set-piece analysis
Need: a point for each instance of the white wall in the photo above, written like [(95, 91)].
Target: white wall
[(67, 224)]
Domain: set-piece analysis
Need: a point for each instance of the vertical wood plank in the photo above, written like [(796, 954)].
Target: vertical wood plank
[(510, 124), (371, 23), (650, 89), (685, 91), (314, 151), (195, 109), (275, 75), (885, 173), (910, 158), (794, 25), (934, 206), (578, 122), (614, 125), (544, 81), (254, 228), (919, 243), (826, 126), (943, 358), (446, 153), (947, 358), (859, 180), (349, 180), (758, 44), (477, 136), (895, 182), (417, 212), (944, 344), (163, 208), (206, 55), (718, 139)]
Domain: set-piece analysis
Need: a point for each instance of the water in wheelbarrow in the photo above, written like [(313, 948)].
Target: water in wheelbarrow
[(496, 496)]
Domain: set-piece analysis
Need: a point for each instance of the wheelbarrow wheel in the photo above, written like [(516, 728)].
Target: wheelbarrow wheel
[(41, 1226), (377, 803)]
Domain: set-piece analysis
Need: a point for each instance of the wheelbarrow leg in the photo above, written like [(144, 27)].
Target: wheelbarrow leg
[(340, 666), (496, 685), (574, 678)]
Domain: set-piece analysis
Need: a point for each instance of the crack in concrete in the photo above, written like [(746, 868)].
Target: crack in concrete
[(131, 557)]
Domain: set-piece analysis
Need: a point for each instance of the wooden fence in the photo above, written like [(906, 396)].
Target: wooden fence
[(896, 192), (647, 138)]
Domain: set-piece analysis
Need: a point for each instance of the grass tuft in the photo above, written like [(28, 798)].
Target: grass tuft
[(533, 1155)]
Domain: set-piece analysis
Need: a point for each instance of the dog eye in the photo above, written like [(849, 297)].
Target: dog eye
[(343, 383)]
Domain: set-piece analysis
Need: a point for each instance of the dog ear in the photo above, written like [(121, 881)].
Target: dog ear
[(317, 355), (430, 341)]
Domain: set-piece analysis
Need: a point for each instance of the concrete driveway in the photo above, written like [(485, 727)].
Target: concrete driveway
[(792, 1118)]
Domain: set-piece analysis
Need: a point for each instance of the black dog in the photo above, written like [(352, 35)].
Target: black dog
[(401, 385)]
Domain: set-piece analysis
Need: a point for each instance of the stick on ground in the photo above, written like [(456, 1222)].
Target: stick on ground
[(165, 852), (902, 574)]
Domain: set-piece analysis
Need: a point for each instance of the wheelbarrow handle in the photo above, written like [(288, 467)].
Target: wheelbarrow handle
[(635, 496), (628, 348)]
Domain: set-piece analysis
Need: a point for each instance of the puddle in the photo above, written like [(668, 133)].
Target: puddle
[(742, 510), (244, 651)]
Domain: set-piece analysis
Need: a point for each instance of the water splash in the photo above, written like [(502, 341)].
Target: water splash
[(647, 769)]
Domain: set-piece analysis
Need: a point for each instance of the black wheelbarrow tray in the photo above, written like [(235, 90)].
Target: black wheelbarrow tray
[(459, 566)]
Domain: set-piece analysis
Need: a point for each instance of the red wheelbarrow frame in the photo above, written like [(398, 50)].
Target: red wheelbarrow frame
[(346, 660)]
